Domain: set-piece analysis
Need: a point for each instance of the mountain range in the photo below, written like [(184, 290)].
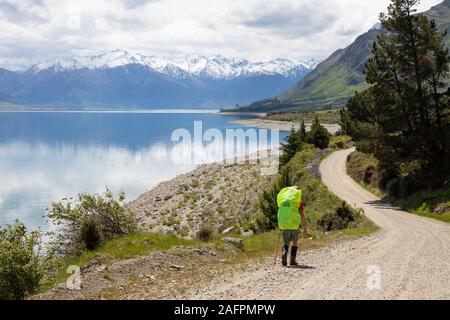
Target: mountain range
[(338, 77), (120, 79)]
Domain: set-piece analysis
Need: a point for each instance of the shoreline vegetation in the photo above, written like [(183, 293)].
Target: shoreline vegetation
[(167, 258), (280, 125), (288, 120)]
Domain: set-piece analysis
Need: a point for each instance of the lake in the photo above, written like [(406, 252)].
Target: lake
[(48, 156)]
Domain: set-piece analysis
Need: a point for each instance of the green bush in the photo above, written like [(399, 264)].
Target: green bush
[(393, 188), (112, 217), (338, 220), (319, 135), (91, 235), (294, 143), (369, 173), (407, 187), (205, 233), (21, 263), (340, 145), (386, 176)]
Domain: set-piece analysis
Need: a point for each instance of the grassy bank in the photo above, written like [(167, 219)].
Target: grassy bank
[(428, 203), (191, 271), (434, 204)]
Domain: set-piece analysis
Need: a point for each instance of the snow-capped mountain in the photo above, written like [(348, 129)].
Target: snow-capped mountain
[(119, 79), (180, 67)]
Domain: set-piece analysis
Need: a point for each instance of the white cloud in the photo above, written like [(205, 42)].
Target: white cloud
[(33, 31)]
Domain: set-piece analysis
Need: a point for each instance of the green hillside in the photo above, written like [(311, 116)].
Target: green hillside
[(338, 77)]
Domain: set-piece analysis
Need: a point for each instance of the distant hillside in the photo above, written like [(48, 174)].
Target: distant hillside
[(338, 77)]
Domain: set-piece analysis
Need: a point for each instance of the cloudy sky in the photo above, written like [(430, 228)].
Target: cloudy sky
[(40, 30)]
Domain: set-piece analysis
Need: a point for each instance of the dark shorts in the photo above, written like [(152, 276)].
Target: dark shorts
[(290, 235)]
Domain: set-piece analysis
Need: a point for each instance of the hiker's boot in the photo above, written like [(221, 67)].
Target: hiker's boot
[(294, 256), (284, 255)]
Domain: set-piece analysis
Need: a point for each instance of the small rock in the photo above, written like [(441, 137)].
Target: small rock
[(90, 264), (247, 233), (228, 230), (442, 208), (149, 276), (238, 242), (176, 267)]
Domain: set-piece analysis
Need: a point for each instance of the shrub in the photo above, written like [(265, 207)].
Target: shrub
[(195, 183), (112, 217), (386, 175), (205, 233), (91, 235), (407, 187), (338, 220), (393, 188), (319, 135), (369, 174), (340, 145), (21, 263)]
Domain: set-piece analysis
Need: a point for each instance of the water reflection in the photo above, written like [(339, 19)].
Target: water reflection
[(35, 175), (49, 156)]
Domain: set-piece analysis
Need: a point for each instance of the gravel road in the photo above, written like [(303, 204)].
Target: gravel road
[(409, 258)]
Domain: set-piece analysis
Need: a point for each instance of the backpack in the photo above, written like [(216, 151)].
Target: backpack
[(289, 200)]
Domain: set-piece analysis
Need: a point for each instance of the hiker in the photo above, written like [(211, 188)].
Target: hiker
[(290, 213)]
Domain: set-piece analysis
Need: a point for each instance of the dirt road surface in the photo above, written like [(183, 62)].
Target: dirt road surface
[(409, 258)]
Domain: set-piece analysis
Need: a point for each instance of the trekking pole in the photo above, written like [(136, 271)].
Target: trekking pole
[(276, 249)]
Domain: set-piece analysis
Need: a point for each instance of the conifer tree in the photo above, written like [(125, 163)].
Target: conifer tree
[(404, 118)]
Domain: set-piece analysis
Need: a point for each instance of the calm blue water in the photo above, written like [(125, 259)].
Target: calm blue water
[(48, 156)]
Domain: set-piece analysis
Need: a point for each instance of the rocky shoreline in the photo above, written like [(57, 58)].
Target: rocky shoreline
[(219, 195)]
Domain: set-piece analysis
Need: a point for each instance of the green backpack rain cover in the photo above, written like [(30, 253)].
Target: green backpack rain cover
[(288, 201)]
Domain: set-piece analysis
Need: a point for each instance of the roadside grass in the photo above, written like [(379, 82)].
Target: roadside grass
[(362, 168), (341, 142), (142, 243), (259, 248), (266, 243), (422, 203), (125, 247)]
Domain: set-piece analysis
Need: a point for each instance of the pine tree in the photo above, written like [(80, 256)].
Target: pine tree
[(319, 135), (294, 143), (303, 128), (404, 119)]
